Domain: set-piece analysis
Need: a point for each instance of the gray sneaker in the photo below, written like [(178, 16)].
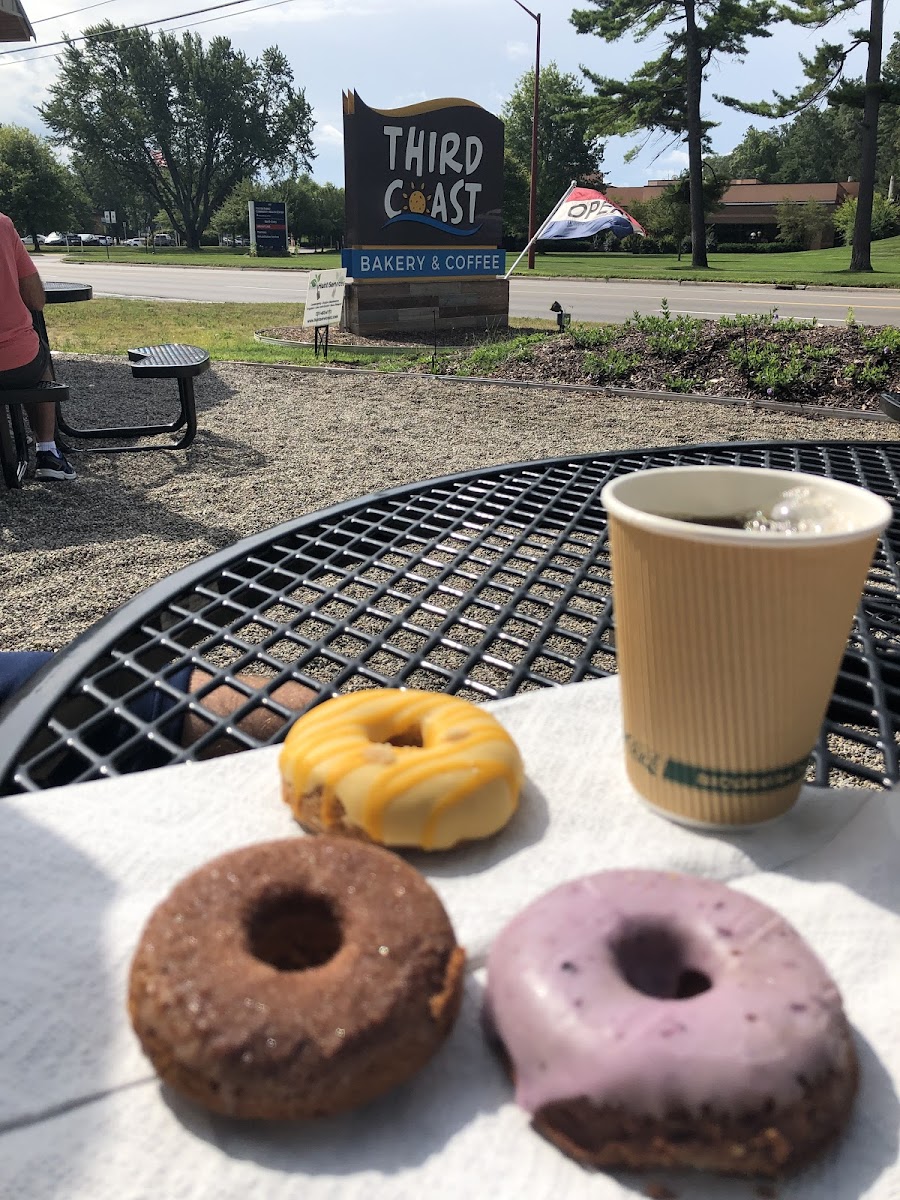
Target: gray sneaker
[(53, 466)]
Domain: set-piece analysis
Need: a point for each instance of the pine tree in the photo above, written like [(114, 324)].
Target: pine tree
[(664, 95)]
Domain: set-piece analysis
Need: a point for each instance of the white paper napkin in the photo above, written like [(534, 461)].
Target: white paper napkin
[(82, 1117)]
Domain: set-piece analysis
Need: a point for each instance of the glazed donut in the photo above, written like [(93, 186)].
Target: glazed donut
[(295, 978), (660, 1020), (401, 767)]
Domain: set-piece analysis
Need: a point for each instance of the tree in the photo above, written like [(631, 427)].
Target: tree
[(824, 73), (888, 162), (232, 216), (820, 145), (667, 218), (313, 209), (669, 214), (178, 120), (885, 219), (515, 198), (756, 156), (664, 95), (802, 223), (107, 189), (36, 192), (567, 149)]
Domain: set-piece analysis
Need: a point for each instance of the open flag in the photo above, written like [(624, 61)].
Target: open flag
[(585, 212)]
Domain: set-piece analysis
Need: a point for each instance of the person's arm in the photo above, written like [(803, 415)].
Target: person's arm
[(32, 291)]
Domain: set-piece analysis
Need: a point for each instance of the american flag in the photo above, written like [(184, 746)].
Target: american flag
[(159, 158)]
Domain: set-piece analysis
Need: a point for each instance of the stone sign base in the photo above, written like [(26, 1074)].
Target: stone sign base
[(382, 307)]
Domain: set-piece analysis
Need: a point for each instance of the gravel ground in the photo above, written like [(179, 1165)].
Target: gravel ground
[(275, 444)]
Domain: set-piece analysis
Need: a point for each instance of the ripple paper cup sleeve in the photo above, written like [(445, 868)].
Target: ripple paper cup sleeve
[(729, 640)]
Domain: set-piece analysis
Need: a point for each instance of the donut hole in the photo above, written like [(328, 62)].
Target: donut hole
[(412, 736), (653, 959), (295, 933)]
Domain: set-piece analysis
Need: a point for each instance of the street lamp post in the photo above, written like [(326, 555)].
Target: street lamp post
[(532, 198)]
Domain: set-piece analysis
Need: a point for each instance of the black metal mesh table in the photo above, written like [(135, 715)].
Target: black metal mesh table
[(485, 584)]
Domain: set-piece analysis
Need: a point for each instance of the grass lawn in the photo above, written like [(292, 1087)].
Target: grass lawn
[(113, 326), (226, 330), (824, 267), (212, 256)]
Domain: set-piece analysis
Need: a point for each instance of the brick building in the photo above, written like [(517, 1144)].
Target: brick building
[(750, 206)]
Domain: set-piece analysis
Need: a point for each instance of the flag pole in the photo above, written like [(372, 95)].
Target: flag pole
[(556, 208)]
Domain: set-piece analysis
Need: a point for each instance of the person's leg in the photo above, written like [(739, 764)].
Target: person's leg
[(42, 417), (17, 667), (51, 463)]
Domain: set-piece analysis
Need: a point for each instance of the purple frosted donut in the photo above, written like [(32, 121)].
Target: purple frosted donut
[(653, 1020)]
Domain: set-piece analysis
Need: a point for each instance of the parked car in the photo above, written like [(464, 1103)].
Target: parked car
[(138, 241), (106, 239), (163, 239), (89, 239), (27, 241), (62, 239)]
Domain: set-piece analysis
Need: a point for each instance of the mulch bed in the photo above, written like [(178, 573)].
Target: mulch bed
[(844, 367)]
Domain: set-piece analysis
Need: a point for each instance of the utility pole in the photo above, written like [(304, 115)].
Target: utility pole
[(532, 200)]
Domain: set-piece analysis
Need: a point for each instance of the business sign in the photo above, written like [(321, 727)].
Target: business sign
[(268, 225), (325, 297), (414, 263), (427, 177)]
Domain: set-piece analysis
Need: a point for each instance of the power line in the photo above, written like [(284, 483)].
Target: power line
[(87, 37), (59, 16), (228, 16)]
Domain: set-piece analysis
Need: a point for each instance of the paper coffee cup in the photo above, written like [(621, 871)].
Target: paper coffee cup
[(729, 640)]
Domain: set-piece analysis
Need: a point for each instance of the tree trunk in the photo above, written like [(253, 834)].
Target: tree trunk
[(693, 74), (861, 254)]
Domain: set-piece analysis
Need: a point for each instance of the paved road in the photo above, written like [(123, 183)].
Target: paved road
[(587, 300)]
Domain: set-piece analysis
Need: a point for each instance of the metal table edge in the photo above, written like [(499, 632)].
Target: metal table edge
[(28, 708)]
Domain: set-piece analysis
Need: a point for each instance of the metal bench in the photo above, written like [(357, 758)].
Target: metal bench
[(13, 435), (182, 363)]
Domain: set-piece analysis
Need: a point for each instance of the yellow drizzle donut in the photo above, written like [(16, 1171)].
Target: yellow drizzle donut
[(401, 767)]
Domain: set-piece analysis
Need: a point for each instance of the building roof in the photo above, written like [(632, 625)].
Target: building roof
[(749, 192), (14, 24)]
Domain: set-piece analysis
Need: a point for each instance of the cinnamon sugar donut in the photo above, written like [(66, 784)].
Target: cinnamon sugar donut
[(295, 978)]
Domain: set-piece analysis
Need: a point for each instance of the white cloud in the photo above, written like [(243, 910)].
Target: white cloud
[(329, 135), (675, 158), (519, 50)]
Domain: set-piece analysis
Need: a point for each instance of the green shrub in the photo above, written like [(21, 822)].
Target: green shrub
[(611, 367), (669, 337), (589, 337), (867, 374), (760, 247)]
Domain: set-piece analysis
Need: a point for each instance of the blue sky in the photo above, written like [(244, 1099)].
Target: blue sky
[(396, 52)]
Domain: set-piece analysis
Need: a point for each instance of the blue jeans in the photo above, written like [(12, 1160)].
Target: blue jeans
[(18, 666)]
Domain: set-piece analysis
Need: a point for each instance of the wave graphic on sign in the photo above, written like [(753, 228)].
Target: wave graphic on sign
[(424, 219)]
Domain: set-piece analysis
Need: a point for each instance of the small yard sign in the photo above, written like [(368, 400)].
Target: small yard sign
[(325, 297)]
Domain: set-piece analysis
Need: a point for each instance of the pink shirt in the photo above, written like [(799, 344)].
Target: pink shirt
[(18, 341)]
